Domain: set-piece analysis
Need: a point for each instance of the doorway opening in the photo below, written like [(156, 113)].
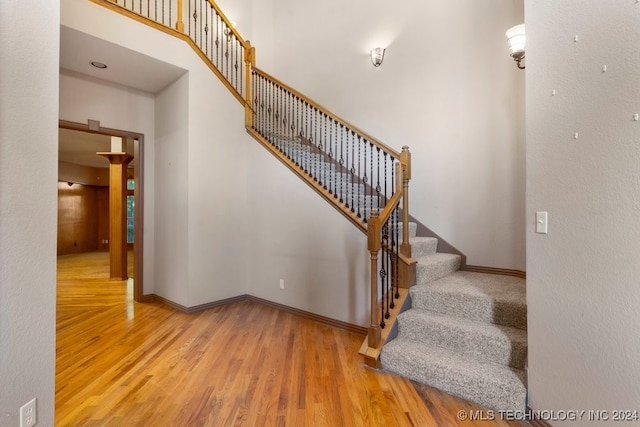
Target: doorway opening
[(83, 177)]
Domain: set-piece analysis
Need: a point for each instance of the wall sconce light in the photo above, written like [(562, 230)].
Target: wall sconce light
[(377, 55), (517, 38)]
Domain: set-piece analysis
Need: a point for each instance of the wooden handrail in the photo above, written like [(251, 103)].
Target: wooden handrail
[(335, 117)]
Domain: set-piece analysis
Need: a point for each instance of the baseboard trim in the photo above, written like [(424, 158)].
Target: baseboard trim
[(535, 421), (147, 298), (491, 270), (350, 327), (361, 330), (202, 307)]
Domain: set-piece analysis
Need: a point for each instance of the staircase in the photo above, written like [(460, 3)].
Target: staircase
[(464, 333)]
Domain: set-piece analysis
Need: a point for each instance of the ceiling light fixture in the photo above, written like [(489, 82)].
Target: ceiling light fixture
[(98, 64)]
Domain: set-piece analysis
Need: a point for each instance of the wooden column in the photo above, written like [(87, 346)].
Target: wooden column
[(117, 213), (374, 243)]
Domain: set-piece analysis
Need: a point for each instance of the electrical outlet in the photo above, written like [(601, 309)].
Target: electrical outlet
[(281, 283), (29, 414)]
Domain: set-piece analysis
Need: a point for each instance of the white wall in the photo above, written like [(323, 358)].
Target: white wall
[(171, 202), (447, 88), (299, 237), (29, 46), (117, 107), (582, 278)]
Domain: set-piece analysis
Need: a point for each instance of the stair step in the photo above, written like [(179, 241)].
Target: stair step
[(423, 246), (436, 266), (493, 386), (484, 342), (474, 296)]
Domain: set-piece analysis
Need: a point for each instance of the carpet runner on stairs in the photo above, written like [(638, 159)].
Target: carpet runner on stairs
[(465, 333)]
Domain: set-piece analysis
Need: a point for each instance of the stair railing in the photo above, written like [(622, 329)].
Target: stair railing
[(206, 28), (362, 178)]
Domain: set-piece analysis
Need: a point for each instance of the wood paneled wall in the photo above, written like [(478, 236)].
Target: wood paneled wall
[(83, 212)]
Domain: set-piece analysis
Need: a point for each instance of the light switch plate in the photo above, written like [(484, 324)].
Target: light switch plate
[(542, 221)]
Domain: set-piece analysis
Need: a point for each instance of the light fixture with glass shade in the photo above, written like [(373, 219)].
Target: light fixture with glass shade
[(517, 38), (377, 55)]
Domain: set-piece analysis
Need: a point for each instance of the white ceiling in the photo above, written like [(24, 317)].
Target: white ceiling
[(124, 66)]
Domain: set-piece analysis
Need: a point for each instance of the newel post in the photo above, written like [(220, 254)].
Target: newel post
[(405, 160), (250, 62), (180, 22), (374, 246)]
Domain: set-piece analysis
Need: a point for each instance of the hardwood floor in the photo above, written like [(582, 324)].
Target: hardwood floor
[(121, 363)]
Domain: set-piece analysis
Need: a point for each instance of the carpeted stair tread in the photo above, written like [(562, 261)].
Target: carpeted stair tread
[(493, 386), (475, 296), (484, 342), (423, 246), (433, 267)]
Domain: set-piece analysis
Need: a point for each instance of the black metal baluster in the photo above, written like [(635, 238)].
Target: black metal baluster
[(170, 21), (217, 41), (397, 248), (353, 168), (294, 125), (347, 169), (155, 14), (365, 180), (261, 104), (341, 161), (206, 31), (371, 185), (293, 147), (393, 176), (327, 161), (284, 111), (378, 188), (254, 87), (241, 49), (384, 181), (328, 166), (359, 176), (279, 114), (226, 52), (315, 140), (334, 138), (269, 100), (308, 131), (195, 23)]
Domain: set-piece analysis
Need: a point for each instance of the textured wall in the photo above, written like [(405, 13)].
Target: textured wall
[(29, 47), (447, 88), (583, 153)]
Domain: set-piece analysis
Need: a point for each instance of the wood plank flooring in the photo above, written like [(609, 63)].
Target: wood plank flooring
[(121, 363)]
